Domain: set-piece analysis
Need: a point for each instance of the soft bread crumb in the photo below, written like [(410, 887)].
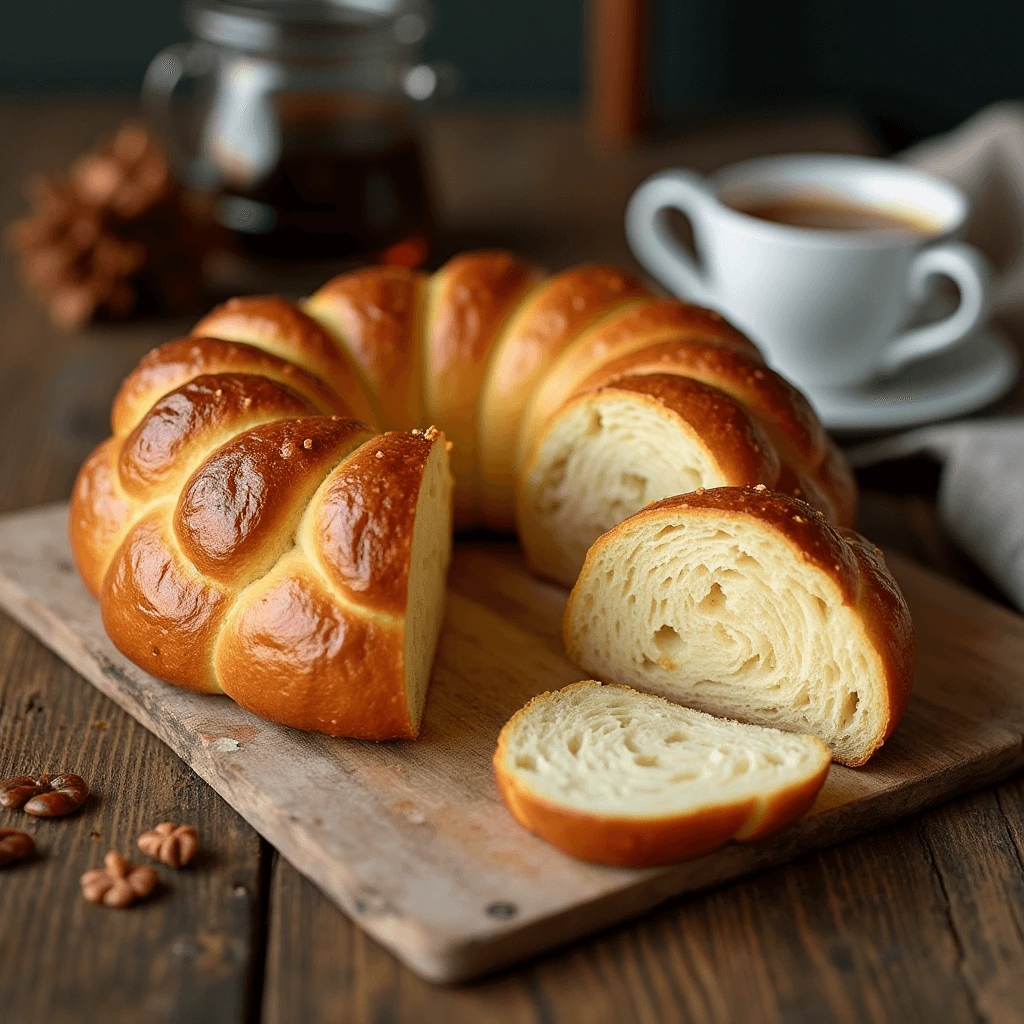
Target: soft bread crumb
[(428, 575), (603, 459)]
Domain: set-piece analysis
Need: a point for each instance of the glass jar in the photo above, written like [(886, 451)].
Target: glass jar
[(293, 119)]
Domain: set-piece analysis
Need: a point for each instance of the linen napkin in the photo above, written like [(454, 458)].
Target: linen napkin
[(981, 492)]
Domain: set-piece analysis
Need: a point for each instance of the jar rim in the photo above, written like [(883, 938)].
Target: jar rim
[(300, 27)]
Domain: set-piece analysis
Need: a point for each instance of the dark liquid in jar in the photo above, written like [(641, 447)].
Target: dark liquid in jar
[(349, 184), (833, 213)]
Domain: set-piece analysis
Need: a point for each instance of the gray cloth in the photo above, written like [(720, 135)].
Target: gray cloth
[(981, 494)]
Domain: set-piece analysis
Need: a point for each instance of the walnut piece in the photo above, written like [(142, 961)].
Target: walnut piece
[(173, 845), (14, 845), (45, 796), (119, 883)]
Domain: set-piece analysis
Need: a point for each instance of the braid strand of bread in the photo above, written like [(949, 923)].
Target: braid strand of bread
[(248, 529)]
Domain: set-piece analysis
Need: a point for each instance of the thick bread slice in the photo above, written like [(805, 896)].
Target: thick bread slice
[(618, 777), (745, 603)]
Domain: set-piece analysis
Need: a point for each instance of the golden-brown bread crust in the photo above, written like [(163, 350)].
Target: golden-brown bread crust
[(639, 842), (787, 808), (185, 424), (377, 314), (855, 565), (178, 362), (785, 414), (545, 322), (471, 298), (887, 620), (100, 514), (637, 326), (239, 511), (294, 654), (807, 488), (158, 610), (282, 329), (363, 520)]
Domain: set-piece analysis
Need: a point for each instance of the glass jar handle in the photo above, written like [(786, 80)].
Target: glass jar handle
[(167, 70)]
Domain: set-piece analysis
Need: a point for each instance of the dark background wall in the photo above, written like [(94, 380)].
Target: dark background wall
[(915, 66)]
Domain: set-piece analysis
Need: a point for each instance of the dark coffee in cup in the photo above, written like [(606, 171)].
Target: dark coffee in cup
[(825, 212)]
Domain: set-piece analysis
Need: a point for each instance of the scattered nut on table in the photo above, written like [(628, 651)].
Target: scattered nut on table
[(14, 845), (45, 796), (174, 845), (119, 883)]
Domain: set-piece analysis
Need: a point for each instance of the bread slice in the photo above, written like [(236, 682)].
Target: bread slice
[(618, 777), (745, 603)]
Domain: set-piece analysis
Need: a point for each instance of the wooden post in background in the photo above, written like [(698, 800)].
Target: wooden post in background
[(616, 70)]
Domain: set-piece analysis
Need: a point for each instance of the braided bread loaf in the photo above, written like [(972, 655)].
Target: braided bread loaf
[(247, 533)]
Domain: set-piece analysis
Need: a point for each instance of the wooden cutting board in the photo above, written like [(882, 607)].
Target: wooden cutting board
[(411, 839)]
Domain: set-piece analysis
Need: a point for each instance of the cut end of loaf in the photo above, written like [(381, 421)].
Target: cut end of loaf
[(428, 574), (611, 452), (618, 777), (746, 604)]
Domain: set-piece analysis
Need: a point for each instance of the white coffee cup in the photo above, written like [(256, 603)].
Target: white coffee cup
[(829, 307)]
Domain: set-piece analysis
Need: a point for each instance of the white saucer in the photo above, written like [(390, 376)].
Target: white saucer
[(976, 372)]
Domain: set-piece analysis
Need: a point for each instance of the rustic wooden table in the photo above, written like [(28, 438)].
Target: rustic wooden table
[(922, 921)]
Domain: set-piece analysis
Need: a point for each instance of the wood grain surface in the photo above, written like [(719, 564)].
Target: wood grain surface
[(411, 838), (917, 922)]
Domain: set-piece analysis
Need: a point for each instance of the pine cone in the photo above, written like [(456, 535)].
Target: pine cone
[(113, 237)]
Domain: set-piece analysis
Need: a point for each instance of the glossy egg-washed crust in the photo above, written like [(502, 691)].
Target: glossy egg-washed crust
[(640, 841), (852, 563), (491, 350), (241, 542), (488, 348)]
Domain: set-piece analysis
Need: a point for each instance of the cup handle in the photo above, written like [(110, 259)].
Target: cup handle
[(969, 270), (651, 239)]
